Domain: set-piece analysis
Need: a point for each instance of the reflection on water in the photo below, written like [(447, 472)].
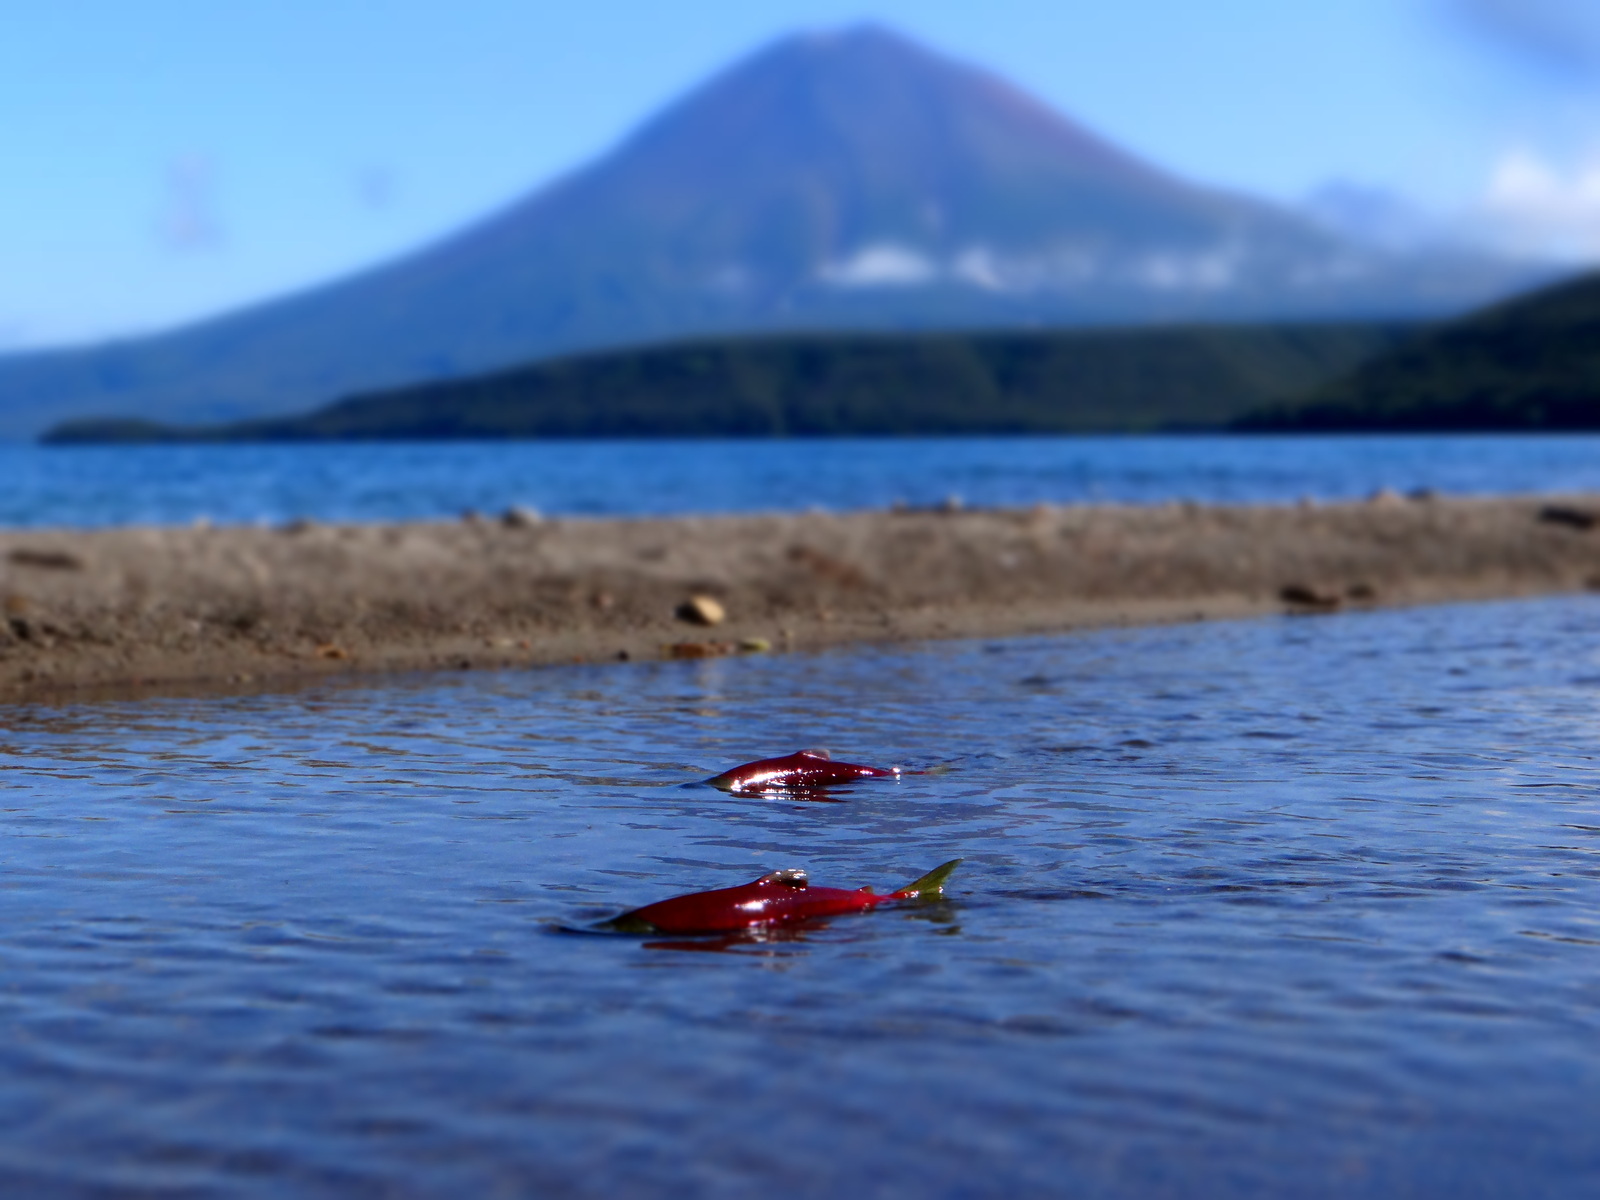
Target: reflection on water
[(1297, 907)]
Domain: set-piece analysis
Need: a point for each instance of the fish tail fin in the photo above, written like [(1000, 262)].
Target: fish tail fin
[(931, 884)]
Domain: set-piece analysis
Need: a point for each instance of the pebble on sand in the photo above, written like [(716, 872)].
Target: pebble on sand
[(1307, 596), (702, 610), (1561, 514), (50, 560)]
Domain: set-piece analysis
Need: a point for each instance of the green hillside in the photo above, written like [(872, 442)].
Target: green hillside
[(1530, 364), (1077, 381)]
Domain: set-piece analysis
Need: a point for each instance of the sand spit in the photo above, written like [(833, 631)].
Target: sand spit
[(159, 607)]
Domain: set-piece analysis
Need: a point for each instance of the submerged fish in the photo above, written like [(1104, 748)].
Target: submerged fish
[(778, 898), (804, 769)]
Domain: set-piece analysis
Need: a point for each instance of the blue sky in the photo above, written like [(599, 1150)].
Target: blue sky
[(164, 159)]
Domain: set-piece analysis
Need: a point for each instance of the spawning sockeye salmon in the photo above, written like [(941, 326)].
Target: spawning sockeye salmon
[(777, 898), (803, 769)]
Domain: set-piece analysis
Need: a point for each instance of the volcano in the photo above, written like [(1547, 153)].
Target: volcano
[(848, 181)]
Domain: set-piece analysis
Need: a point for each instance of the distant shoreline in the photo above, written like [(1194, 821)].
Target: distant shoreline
[(841, 383), (146, 608)]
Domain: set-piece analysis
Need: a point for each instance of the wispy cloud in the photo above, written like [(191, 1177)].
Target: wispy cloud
[(376, 188), (189, 220), (14, 333), (1556, 35)]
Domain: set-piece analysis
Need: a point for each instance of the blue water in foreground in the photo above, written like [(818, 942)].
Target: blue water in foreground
[(1297, 907), (96, 486)]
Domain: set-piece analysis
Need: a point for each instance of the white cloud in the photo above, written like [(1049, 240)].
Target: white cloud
[(1533, 206), (881, 264), (977, 266), (1178, 272), (888, 264), (1041, 269)]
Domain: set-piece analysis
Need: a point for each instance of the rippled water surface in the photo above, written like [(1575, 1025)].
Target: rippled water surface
[(119, 485), (1289, 908)]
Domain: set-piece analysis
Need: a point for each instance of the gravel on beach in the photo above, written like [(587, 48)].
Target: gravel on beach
[(139, 608)]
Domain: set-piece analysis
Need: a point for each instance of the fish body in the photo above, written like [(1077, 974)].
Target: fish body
[(781, 897), (805, 769)]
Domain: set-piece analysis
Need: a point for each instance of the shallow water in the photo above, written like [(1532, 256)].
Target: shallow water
[(1299, 907), (89, 486)]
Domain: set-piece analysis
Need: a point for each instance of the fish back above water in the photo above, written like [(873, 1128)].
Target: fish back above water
[(800, 770)]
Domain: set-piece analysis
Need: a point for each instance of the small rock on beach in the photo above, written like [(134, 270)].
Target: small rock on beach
[(702, 610)]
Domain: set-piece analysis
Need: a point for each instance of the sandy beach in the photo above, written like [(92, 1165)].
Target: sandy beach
[(159, 607)]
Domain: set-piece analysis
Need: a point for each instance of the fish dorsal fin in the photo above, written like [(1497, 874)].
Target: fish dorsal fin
[(792, 877), (818, 753)]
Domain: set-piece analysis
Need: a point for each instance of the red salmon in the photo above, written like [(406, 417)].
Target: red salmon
[(805, 769), (779, 898)]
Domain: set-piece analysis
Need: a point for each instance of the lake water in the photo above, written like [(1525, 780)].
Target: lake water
[(1296, 907), (97, 485)]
